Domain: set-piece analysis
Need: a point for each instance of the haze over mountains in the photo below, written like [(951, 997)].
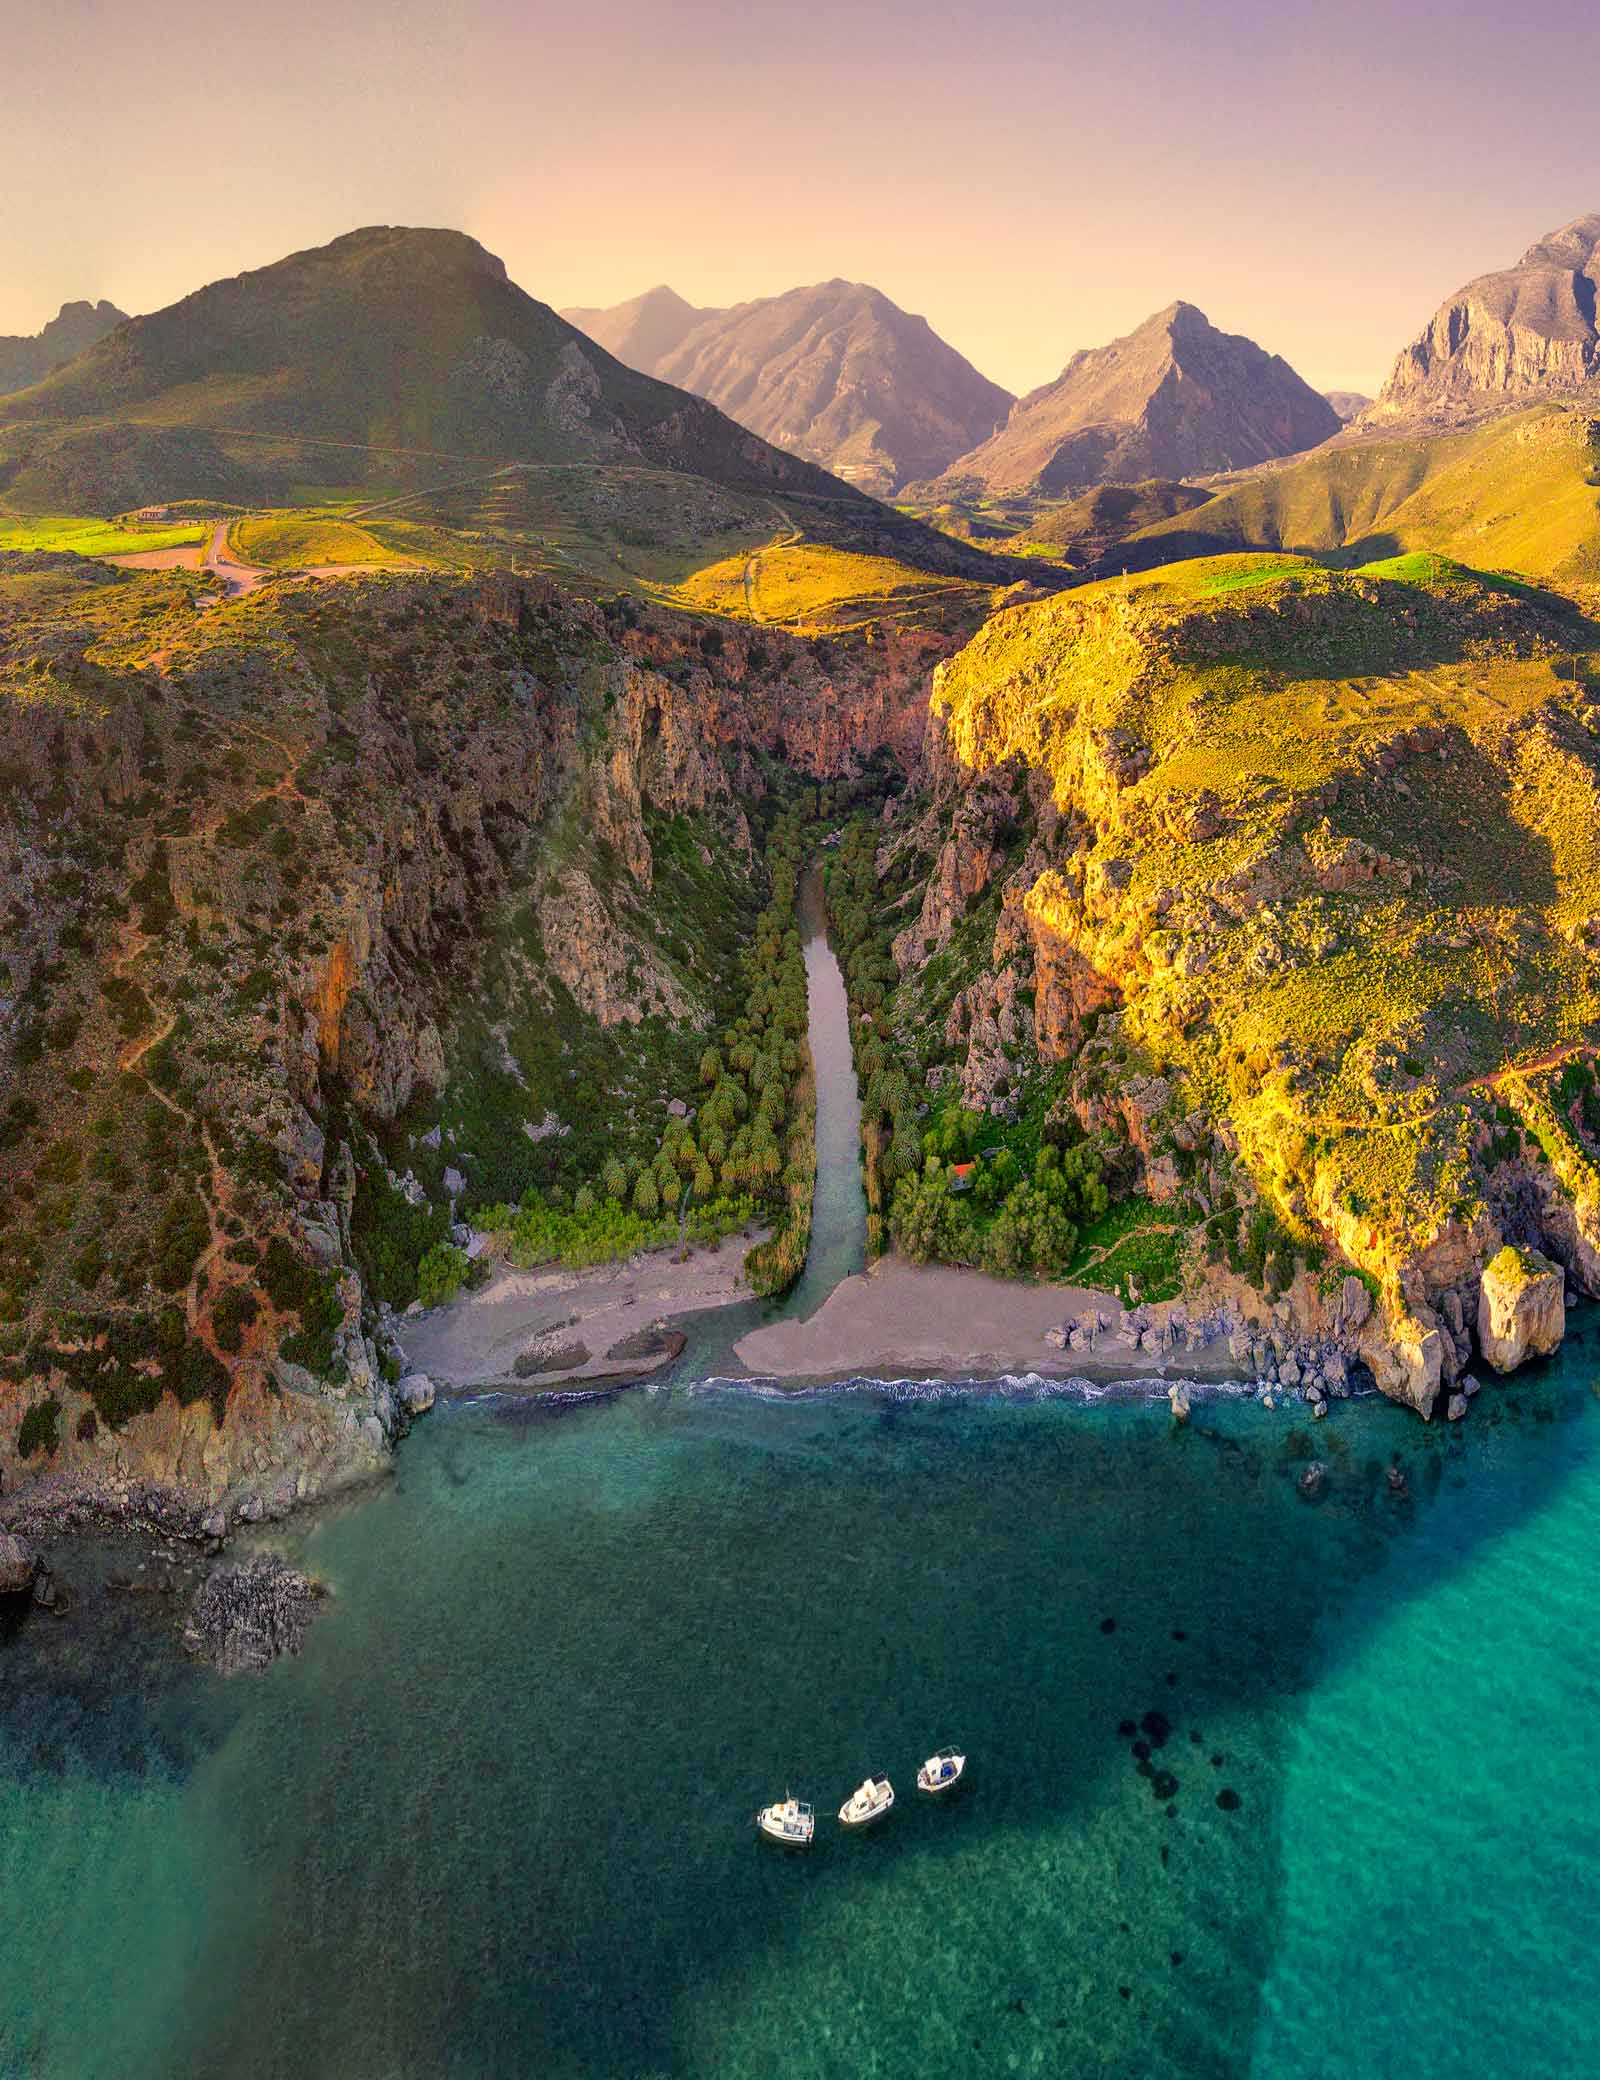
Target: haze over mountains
[(835, 372), (1527, 331), (27, 358)]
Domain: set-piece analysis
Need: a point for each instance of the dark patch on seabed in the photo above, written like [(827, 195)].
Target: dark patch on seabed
[(496, 1819)]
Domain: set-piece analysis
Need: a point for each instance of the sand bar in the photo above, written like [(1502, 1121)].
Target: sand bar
[(477, 1339), (901, 1318)]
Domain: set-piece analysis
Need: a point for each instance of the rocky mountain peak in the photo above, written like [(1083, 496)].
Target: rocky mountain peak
[(1506, 338), (1174, 398), (836, 372)]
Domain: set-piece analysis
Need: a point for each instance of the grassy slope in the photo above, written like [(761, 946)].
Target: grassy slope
[(1344, 1023), (810, 584), (90, 536), (1519, 493)]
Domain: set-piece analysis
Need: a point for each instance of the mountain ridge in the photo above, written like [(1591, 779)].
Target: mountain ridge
[(835, 371), (27, 358)]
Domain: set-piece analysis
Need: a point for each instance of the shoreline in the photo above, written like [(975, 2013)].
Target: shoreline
[(900, 1319)]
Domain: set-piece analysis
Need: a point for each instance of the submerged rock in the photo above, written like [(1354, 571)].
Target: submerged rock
[(19, 1564), (1312, 1482), (1521, 1308), (648, 1347), (245, 1617)]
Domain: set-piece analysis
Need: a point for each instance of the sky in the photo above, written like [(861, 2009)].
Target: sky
[(1032, 176)]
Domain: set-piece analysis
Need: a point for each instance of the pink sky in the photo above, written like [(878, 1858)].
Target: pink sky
[(1030, 177)]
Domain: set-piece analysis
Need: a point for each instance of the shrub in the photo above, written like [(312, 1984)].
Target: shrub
[(180, 1235), (236, 1308), (440, 1274), (40, 1429)]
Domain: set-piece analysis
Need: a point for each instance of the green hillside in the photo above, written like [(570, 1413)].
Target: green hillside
[(1519, 493)]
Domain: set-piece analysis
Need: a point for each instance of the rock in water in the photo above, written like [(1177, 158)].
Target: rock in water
[(1522, 1308), (19, 1563), (1178, 1395), (416, 1393), (245, 1617)]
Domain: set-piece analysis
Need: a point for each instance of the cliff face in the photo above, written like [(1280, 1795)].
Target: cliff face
[(262, 867), (1287, 927), (1528, 331)]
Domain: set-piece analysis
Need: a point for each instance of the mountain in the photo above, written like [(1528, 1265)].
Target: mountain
[(28, 357), (1529, 331), (1177, 398), (388, 339), (644, 331), (1347, 403), (835, 372)]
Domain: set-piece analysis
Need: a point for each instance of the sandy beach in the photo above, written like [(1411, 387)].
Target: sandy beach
[(547, 1317), (901, 1318)]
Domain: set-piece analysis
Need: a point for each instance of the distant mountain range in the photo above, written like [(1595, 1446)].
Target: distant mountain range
[(26, 358), (1349, 404), (1176, 398), (835, 372), (1527, 332)]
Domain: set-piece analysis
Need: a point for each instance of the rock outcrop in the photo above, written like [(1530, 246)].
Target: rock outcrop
[(1506, 339), (1521, 1308)]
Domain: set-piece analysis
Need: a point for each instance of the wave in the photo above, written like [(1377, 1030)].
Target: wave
[(1022, 1386)]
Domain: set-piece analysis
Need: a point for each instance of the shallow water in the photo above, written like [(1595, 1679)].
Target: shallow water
[(496, 1819)]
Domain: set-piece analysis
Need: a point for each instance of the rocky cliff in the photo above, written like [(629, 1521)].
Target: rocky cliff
[(1507, 338)]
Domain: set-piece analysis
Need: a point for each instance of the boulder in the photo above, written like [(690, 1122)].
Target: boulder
[(415, 1392), (19, 1564), (1455, 1408), (1312, 1482), (1178, 1396), (1522, 1309)]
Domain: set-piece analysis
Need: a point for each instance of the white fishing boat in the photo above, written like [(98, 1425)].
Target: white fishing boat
[(872, 1798), (789, 1821), (941, 1772)]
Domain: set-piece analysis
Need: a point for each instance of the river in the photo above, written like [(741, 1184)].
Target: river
[(1260, 1787)]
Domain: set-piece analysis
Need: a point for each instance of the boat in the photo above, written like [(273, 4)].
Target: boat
[(789, 1821), (872, 1798), (941, 1772)]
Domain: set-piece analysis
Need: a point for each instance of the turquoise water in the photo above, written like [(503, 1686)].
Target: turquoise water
[(495, 1820)]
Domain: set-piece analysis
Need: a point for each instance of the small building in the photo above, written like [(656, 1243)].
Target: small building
[(961, 1176)]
